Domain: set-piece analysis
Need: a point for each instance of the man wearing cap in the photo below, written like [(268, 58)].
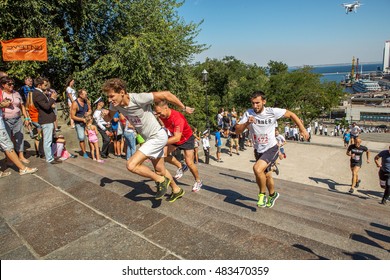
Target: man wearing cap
[(102, 126)]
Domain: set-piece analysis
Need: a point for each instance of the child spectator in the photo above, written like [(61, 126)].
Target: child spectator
[(92, 132)]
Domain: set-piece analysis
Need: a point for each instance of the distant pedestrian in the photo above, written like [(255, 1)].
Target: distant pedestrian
[(315, 127), (91, 131), (355, 151), (308, 129), (218, 143), (281, 141), (71, 96), (103, 127), (206, 146), (384, 173), (78, 111), (233, 140), (261, 122), (46, 116), (346, 138), (196, 145), (7, 146), (26, 88), (355, 131)]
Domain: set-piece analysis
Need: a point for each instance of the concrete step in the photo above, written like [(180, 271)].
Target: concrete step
[(301, 212), (85, 210)]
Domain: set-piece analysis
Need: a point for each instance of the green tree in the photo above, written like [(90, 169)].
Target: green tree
[(152, 53), (276, 67), (301, 91), (77, 33)]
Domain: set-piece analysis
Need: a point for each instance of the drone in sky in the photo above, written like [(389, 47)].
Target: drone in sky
[(351, 7)]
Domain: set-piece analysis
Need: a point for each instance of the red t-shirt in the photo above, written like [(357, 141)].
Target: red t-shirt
[(177, 122)]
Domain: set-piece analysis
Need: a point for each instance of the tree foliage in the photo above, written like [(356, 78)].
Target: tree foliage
[(301, 91), (148, 44)]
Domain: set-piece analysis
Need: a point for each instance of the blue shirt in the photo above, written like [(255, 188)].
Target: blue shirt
[(218, 139), (114, 124)]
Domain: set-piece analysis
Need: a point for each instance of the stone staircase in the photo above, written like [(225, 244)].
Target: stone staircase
[(84, 210)]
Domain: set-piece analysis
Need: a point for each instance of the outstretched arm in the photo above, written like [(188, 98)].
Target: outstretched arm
[(298, 122), (168, 96)]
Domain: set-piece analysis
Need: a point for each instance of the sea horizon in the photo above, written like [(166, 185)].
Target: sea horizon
[(333, 64), (337, 72)]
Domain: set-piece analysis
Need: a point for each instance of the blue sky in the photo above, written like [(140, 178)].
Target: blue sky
[(300, 32)]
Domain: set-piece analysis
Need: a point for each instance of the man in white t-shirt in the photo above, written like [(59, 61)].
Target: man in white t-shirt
[(355, 131), (261, 122), (137, 109)]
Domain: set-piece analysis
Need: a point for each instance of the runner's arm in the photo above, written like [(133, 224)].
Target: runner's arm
[(376, 159), (171, 98), (298, 122)]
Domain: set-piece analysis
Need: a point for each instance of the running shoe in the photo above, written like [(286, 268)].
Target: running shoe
[(174, 196), (197, 186), (162, 188), (358, 183), (351, 190), (272, 199), (384, 201), (262, 200), (180, 171), (85, 155)]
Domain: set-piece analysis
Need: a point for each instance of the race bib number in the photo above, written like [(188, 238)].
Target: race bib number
[(356, 157), (261, 139), (135, 121)]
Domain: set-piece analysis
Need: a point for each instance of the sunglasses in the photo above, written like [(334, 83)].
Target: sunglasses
[(10, 84)]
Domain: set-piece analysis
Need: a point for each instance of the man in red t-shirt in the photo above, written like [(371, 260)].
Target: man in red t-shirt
[(180, 137)]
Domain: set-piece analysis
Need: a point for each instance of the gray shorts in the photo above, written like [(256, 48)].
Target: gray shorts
[(269, 156), (5, 142)]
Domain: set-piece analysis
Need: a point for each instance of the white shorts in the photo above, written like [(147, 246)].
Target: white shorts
[(154, 146)]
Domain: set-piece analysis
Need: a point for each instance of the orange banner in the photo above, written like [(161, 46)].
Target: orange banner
[(25, 49)]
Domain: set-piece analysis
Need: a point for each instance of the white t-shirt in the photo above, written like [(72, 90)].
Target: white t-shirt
[(355, 130), (72, 92), (140, 114), (205, 142), (262, 130)]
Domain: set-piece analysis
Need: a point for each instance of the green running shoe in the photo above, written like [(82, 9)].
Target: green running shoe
[(272, 199), (262, 200), (175, 196), (162, 188)]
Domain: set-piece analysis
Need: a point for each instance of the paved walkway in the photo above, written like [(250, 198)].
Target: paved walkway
[(321, 163), (85, 210)]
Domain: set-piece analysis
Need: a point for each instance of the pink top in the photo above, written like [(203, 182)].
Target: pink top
[(14, 110), (92, 137)]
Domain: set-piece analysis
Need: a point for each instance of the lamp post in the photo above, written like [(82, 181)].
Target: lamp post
[(204, 78)]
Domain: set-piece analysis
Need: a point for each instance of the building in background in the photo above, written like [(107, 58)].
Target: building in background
[(386, 57)]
